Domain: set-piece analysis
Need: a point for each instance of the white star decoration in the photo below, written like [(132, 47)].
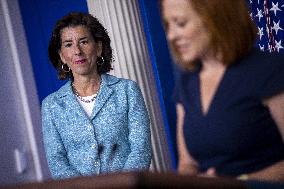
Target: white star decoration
[(275, 8), (276, 27), (261, 47), (259, 14), (278, 45), (260, 32)]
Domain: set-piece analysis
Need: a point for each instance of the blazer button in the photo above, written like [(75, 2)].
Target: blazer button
[(100, 149), (96, 163), (114, 147), (93, 146)]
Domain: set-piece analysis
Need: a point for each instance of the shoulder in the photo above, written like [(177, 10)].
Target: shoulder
[(120, 83), (53, 97), (185, 77), (259, 65), (263, 60), (264, 72), (185, 81)]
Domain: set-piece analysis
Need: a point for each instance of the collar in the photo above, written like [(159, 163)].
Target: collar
[(107, 80)]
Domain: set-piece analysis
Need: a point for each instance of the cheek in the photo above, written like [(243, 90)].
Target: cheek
[(93, 54), (65, 55), (92, 58), (199, 37), (204, 41)]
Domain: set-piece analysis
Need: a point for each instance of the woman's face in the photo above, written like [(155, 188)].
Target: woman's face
[(79, 50), (185, 30)]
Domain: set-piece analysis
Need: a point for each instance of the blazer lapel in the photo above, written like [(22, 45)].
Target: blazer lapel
[(75, 112), (102, 98)]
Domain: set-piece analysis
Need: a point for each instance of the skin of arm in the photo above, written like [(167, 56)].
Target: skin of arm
[(186, 164)]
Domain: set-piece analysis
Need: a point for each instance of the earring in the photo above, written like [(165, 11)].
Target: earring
[(63, 67), (100, 61)]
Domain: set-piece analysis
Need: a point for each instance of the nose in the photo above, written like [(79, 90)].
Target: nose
[(171, 34), (77, 49)]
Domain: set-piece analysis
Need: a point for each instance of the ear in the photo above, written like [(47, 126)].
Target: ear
[(99, 48)]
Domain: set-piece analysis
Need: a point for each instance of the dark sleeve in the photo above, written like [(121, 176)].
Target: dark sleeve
[(177, 88), (271, 77)]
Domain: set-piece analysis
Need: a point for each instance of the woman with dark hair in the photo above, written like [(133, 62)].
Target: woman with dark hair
[(229, 96), (95, 123)]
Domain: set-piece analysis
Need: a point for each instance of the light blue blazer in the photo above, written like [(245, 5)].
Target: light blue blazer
[(115, 138)]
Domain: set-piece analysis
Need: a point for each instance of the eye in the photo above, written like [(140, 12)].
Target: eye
[(181, 23), (66, 45), (84, 42)]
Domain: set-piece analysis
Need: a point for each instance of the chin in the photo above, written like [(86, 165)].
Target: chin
[(187, 63), (187, 59)]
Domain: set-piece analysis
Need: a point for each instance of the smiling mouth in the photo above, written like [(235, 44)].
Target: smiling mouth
[(182, 50), (80, 61), (183, 47)]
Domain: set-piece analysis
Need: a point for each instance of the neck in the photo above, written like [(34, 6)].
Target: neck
[(211, 63), (87, 86)]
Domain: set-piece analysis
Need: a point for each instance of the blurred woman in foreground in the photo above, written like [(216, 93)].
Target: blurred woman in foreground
[(230, 96)]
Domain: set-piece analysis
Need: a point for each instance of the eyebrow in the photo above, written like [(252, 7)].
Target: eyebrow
[(70, 40)]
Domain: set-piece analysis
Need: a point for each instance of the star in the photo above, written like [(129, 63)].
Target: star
[(276, 27), (275, 8), (259, 14), (278, 45), (260, 32), (261, 47)]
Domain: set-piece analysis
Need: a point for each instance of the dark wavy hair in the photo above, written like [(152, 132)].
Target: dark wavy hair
[(96, 29)]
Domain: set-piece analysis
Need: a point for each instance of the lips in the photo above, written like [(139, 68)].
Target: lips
[(181, 46), (182, 49), (82, 61)]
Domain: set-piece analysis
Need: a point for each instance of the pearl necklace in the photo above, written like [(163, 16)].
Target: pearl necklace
[(81, 98)]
